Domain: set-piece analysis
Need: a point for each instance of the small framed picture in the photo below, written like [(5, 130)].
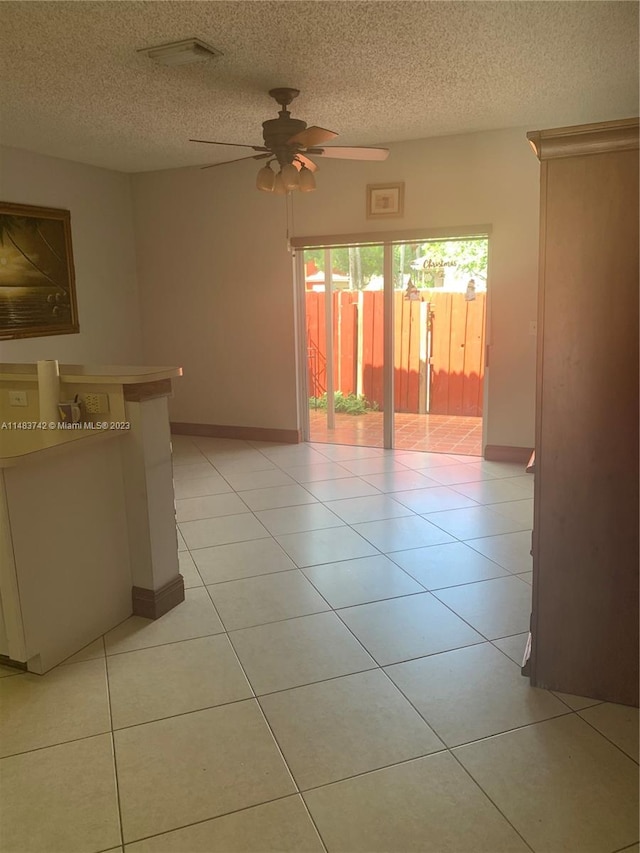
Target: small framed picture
[(385, 200)]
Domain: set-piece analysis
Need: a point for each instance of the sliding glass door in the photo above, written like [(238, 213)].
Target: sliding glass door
[(394, 340)]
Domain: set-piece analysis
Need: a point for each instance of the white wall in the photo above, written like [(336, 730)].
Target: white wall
[(103, 251), (216, 279)]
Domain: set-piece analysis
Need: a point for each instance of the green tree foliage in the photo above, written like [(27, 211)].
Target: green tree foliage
[(363, 262), (468, 256)]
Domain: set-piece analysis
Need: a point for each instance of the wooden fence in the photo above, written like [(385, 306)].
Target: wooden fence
[(438, 350)]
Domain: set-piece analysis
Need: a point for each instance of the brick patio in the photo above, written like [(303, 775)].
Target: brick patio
[(436, 433)]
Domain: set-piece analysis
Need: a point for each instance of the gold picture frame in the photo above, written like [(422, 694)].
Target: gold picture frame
[(37, 278), (385, 201)]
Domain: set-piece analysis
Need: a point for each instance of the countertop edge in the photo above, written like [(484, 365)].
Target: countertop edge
[(107, 375)]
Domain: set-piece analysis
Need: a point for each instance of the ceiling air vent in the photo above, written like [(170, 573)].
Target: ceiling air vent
[(182, 52)]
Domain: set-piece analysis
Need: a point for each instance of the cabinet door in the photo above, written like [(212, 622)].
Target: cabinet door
[(585, 589)]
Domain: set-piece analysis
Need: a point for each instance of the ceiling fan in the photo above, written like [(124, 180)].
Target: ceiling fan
[(288, 141)]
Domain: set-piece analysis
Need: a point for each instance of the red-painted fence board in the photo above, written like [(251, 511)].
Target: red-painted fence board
[(346, 342), (349, 342), (407, 334), (316, 344), (373, 347), (440, 352), (401, 334), (457, 331)]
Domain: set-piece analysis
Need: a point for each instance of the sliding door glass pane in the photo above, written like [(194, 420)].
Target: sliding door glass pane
[(439, 335), (344, 294)]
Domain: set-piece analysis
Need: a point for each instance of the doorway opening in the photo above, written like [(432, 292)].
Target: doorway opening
[(395, 342)]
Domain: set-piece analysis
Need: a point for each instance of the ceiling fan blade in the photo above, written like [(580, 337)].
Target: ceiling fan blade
[(237, 160), (312, 136), (232, 144), (347, 153), (301, 160)]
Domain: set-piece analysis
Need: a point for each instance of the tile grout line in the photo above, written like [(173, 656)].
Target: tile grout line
[(166, 643), (208, 819), (477, 630), (613, 743), (498, 809), (289, 770), (113, 743)]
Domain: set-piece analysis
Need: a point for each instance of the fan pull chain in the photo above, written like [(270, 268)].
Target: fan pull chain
[(289, 217)]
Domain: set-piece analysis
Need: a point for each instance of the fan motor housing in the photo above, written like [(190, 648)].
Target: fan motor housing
[(278, 131)]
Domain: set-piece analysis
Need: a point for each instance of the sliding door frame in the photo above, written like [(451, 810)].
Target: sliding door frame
[(387, 239)]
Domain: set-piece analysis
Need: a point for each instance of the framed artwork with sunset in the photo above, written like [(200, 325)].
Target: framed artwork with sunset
[(37, 281)]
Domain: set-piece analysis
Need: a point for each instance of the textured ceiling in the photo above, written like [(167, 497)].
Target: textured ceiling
[(74, 86)]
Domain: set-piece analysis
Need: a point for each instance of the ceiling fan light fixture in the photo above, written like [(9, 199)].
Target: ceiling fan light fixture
[(266, 179), (290, 177), (182, 52), (288, 142), (306, 179), (278, 186)]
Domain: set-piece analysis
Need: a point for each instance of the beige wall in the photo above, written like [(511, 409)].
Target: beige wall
[(104, 256), (216, 278), (217, 294)]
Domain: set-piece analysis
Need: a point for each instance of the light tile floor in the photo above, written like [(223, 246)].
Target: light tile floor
[(343, 676)]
